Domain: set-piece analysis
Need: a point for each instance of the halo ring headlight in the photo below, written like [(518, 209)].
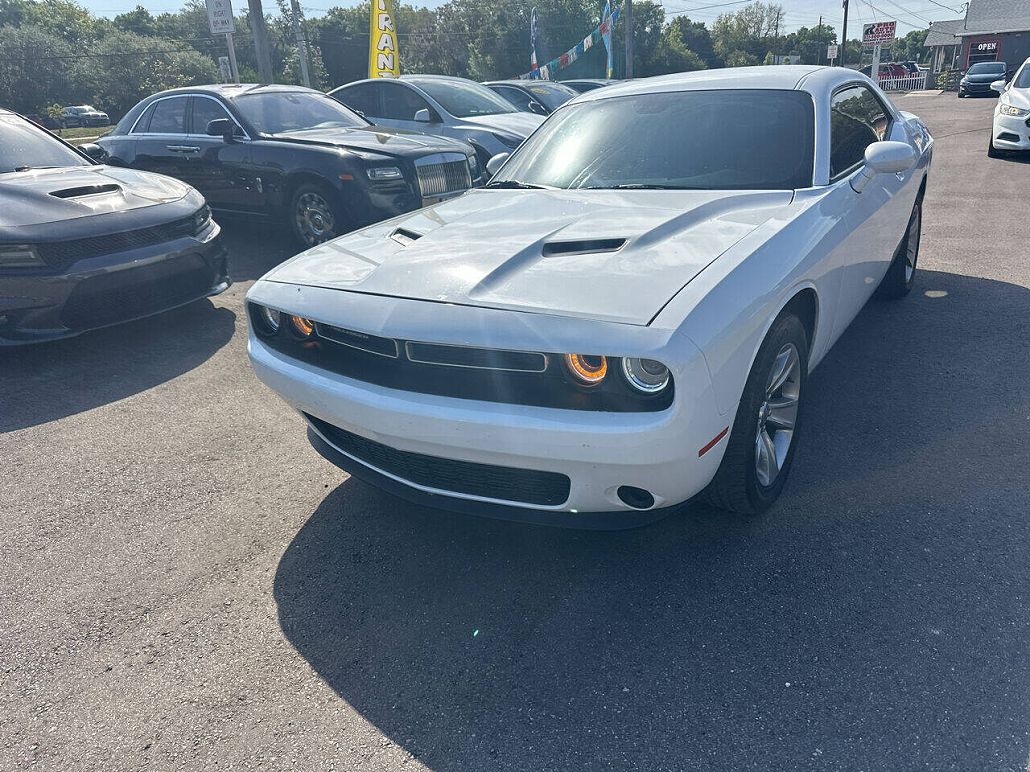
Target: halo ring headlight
[(302, 328), (270, 319), (646, 375), (588, 369)]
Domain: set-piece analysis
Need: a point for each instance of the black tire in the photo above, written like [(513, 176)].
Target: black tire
[(992, 151), (901, 274), (737, 486), (315, 214)]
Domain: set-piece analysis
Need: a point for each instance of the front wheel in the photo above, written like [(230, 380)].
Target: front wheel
[(315, 214), (765, 430)]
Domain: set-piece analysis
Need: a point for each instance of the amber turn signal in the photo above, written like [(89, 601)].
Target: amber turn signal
[(590, 369), (305, 328)]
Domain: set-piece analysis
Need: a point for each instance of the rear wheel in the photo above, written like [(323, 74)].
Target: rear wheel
[(316, 214), (901, 274), (765, 430)]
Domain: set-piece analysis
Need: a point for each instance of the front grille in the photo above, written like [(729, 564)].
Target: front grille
[(524, 486), (441, 178), (134, 292), (61, 254)]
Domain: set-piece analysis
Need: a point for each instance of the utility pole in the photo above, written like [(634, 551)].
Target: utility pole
[(844, 35), (302, 46), (629, 38), (262, 50)]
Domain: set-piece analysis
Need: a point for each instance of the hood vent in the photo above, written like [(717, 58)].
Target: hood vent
[(405, 237), (85, 190), (583, 247)]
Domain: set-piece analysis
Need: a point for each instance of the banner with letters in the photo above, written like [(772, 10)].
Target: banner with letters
[(384, 60)]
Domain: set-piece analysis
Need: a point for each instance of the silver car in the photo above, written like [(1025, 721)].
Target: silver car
[(443, 105)]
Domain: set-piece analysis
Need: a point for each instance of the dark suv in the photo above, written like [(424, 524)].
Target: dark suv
[(289, 153)]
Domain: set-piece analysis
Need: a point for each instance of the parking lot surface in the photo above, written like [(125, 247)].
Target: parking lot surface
[(187, 585)]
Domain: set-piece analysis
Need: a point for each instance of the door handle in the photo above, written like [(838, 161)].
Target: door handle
[(183, 149)]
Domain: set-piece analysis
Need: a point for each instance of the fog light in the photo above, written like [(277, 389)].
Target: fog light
[(646, 375), (305, 328), (587, 368)]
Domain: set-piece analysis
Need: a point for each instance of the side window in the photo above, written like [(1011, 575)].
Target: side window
[(857, 119), (363, 97), (516, 96), (204, 111), (169, 116), (400, 103), (144, 120)]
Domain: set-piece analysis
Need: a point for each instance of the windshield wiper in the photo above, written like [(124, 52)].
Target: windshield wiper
[(30, 168), (633, 186), (513, 184)]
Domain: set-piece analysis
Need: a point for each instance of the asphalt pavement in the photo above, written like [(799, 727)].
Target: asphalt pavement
[(187, 585)]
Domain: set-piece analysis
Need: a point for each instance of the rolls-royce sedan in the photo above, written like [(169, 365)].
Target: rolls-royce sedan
[(625, 317), (84, 245), (291, 154)]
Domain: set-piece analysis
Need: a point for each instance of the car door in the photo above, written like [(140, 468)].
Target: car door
[(876, 217), (160, 138), (219, 169)]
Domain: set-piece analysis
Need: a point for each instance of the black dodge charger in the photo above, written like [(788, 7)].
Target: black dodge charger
[(291, 154), (83, 245)]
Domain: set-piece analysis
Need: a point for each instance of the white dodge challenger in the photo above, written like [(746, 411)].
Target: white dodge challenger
[(625, 317)]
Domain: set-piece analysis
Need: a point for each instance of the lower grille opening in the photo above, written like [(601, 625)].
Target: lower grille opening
[(1008, 136), (525, 486)]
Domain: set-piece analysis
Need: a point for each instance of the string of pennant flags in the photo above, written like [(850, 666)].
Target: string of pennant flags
[(545, 71)]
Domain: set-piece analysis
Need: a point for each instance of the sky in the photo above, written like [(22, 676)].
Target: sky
[(910, 14)]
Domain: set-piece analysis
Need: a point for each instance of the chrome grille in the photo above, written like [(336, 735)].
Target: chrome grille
[(438, 179)]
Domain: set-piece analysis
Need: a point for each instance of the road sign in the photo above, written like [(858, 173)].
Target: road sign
[(219, 17), (879, 32), (831, 51)]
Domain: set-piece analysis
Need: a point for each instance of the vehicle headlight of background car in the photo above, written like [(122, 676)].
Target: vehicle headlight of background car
[(570, 381)]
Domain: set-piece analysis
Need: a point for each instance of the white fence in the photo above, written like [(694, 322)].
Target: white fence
[(913, 83)]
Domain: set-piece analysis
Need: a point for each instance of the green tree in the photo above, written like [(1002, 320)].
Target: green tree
[(745, 36), (138, 21), (34, 69), (695, 36)]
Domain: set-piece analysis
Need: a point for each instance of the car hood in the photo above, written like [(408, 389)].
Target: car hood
[(608, 255), (520, 124), (1018, 97), (35, 197), (984, 78), (391, 142)]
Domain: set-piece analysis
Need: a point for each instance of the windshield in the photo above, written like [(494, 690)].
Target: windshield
[(551, 95), (278, 112), (1022, 80), (982, 68), (465, 99), (24, 146), (690, 140)]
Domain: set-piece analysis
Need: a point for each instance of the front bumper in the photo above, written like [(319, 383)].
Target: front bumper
[(1014, 129), (597, 451), (976, 89), (111, 289)]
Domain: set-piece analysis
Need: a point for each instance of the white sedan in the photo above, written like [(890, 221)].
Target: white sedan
[(625, 317), (1011, 127)]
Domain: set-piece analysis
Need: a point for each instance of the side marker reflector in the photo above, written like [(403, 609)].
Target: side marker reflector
[(713, 442)]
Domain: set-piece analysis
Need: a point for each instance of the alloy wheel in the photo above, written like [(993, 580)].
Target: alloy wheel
[(777, 415), (315, 220)]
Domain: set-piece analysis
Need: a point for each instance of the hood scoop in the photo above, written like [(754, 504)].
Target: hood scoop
[(405, 237), (583, 247), (86, 190)]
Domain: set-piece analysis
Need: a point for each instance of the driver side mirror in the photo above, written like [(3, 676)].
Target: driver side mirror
[(536, 107), (1000, 86), (222, 127), (496, 162), (884, 158), (423, 116), (94, 151)]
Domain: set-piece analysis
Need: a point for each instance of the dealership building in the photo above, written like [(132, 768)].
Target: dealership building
[(992, 31)]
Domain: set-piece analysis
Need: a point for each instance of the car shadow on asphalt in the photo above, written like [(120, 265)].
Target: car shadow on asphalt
[(46, 381), (255, 247), (874, 619)]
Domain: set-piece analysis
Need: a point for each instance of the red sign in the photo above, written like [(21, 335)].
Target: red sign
[(879, 32)]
